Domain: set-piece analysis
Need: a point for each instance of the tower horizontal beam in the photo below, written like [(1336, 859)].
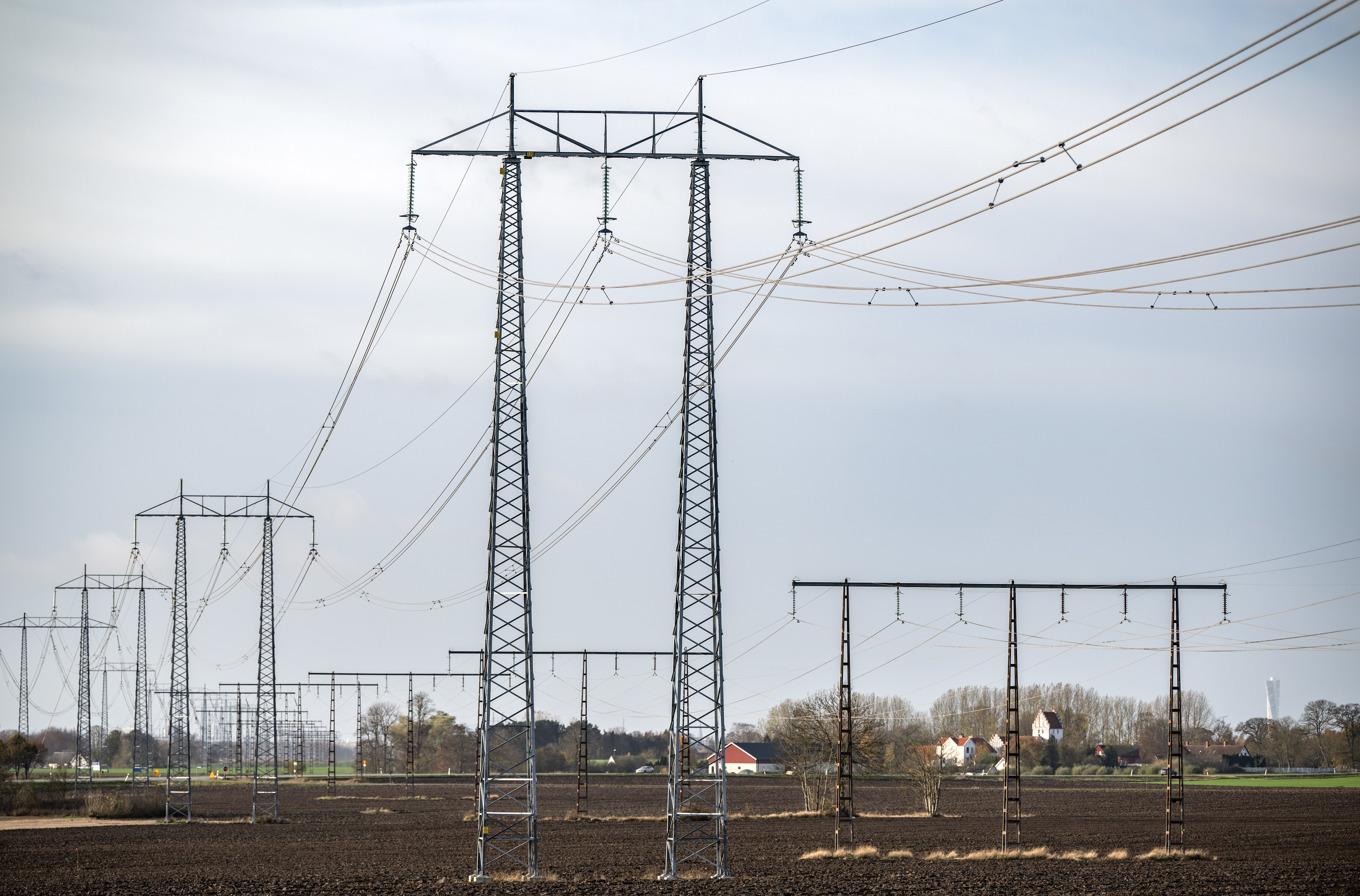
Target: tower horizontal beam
[(1019, 586)]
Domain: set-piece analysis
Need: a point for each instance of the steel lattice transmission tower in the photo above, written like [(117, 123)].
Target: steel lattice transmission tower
[(507, 781), (23, 676), (141, 741), (179, 778), (84, 748)]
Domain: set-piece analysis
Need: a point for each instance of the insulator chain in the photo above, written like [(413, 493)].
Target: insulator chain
[(899, 604), (799, 222), (1126, 607), (410, 229), (1062, 606), (961, 619), (1225, 607)]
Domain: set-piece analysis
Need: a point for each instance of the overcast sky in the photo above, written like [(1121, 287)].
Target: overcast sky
[(200, 202)]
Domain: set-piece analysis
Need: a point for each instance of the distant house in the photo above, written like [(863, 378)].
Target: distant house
[(1234, 755), (1121, 754), (1046, 724), (962, 751), (749, 757)]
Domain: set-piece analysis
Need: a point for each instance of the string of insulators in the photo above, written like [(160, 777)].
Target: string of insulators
[(604, 213), (410, 215), (793, 593), (799, 221), (961, 619), (899, 604), (1062, 606), (616, 664), (1126, 607), (1225, 605), (654, 665)]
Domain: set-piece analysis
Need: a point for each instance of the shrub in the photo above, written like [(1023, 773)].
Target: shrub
[(1063, 770), (137, 803)]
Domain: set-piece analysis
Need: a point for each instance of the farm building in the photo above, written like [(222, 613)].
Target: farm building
[(750, 757), (1122, 754), (962, 750), (1235, 755), (1046, 724)]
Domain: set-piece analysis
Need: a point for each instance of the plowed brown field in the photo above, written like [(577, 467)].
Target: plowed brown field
[(372, 840)]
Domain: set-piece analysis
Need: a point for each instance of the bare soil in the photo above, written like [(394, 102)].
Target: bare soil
[(1259, 841)]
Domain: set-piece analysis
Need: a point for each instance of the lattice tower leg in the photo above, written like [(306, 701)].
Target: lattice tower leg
[(696, 802), (84, 741), (102, 744), (583, 744), (507, 792), (264, 800), (23, 677), (141, 748), (240, 736), (1010, 806), (1175, 747), (358, 731), (410, 735), (330, 745), (845, 753), (179, 772)]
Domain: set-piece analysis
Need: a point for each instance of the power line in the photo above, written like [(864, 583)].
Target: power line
[(660, 43), (855, 46)]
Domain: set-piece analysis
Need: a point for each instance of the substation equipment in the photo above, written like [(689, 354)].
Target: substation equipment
[(507, 789), (1174, 830)]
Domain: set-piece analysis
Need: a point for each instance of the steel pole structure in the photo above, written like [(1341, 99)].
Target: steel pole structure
[(84, 747), (696, 800), (103, 744), (1175, 752), (582, 742), (23, 676), (179, 772), (264, 797), (1010, 784), (330, 745), (410, 734), (358, 732), (1174, 836), (845, 753), (507, 779)]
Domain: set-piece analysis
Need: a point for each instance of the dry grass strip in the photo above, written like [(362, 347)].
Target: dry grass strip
[(863, 851)]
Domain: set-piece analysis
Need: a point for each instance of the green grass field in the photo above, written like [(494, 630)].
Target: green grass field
[(1328, 781)]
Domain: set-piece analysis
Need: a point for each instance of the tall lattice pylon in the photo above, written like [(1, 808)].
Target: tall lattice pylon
[(264, 799), (583, 741), (84, 742), (23, 676), (507, 785), (179, 771), (1010, 795), (1175, 747), (141, 744), (696, 802)]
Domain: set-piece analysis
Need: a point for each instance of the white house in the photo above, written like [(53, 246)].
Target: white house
[(1046, 724), (751, 757), (962, 750)]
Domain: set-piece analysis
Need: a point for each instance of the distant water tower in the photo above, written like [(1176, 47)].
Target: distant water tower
[(1272, 698)]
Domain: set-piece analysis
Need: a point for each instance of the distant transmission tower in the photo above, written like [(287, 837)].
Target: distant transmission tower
[(507, 792)]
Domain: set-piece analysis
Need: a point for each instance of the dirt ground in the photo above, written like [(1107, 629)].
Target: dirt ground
[(375, 840)]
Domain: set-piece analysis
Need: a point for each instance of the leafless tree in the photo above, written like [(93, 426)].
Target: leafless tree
[(926, 774)]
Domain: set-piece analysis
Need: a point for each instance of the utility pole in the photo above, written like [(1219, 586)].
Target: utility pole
[(179, 802), (507, 792), (330, 745), (23, 676), (1174, 837)]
